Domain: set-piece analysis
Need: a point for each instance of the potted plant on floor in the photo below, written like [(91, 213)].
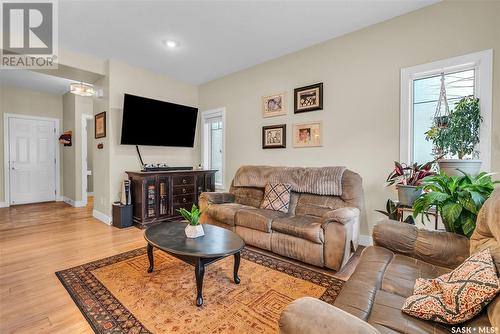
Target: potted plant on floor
[(459, 138), (194, 228), (456, 198), (407, 178)]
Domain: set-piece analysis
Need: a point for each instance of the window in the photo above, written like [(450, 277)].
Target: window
[(425, 98), (213, 143), (420, 88)]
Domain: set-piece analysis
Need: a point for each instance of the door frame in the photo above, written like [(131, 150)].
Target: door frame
[(6, 153), (84, 167)]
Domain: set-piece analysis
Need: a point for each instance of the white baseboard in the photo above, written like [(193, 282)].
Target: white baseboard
[(73, 203), (90, 193), (102, 217), (365, 240), (4, 205), (59, 199)]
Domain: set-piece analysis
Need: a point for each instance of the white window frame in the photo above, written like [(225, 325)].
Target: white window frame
[(482, 63), (205, 141)]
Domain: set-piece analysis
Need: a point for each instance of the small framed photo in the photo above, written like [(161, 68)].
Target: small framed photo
[(308, 98), (100, 125), (274, 136), (307, 134), (274, 105)]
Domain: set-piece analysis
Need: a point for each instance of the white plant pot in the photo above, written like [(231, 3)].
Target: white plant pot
[(452, 167), (194, 231)]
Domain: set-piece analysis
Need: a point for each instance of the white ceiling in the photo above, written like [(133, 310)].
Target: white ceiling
[(216, 37), (35, 81)]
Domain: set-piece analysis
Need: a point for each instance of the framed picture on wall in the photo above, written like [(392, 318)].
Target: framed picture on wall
[(274, 136), (308, 98), (307, 134), (100, 125), (274, 105)]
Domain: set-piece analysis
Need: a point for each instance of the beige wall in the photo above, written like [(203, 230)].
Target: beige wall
[(90, 153), (69, 152), (102, 202), (15, 100), (360, 72), (73, 108), (124, 78)]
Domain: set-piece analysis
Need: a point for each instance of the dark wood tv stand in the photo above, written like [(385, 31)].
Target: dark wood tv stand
[(156, 196)]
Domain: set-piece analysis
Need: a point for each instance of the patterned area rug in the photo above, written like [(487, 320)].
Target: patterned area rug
[(117, 295)]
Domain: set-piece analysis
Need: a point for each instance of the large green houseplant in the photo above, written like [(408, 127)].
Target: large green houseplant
[(456, 198), (458, 138)]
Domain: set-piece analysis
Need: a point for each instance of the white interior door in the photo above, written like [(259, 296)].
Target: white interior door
[(32, 165)]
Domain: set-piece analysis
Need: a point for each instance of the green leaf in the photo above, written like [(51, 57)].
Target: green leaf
[(468, 226), (435, 197), (465, 199), (450, 212)]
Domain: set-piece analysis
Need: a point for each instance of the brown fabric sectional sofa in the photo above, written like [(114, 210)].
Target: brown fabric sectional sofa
[(321, 230), (371, 300)]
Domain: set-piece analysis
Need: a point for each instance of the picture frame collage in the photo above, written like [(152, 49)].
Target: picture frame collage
[(307, 134)]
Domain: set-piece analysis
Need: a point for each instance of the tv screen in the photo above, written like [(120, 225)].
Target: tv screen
[(157, 123)]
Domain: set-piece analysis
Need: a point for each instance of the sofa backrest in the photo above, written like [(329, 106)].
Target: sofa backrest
[(317, 205), (309, 204), (487, 235)]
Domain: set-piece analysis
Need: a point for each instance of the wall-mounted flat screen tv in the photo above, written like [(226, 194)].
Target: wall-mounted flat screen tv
[(157, 123)]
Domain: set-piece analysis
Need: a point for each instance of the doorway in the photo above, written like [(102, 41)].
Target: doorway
[(31, 164), (87, 157)]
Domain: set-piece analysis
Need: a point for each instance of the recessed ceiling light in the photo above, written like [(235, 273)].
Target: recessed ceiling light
[(171, 44)]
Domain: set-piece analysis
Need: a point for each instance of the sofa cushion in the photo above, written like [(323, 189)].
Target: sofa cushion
[(277, 197), (386, 317), (305, 227), (402, 271), (225, 212), (248, 196), (317, 205), (457, 296), (257, 219)]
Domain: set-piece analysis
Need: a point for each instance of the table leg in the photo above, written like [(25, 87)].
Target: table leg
[(199, 271), (150, 257), (236, 267)]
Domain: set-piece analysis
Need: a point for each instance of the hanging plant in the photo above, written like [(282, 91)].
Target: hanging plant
[(461, 135), (441, 117)]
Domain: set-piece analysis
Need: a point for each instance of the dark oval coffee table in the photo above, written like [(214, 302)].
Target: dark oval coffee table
[(216, 244)]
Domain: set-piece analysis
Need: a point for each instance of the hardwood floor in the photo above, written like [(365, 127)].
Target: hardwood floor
[(38, 240), (35, 242)]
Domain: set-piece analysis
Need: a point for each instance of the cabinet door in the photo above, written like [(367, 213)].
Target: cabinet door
[(210, 182), (150, 204), (163, 195)]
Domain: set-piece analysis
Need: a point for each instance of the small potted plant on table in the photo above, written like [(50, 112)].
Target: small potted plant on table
[(407, 178), (459, 138), (194, 228)]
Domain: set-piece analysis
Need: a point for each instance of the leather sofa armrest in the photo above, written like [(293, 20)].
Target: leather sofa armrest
[(342, 216), (437, 247), (341, 232), (207, 198), (310, 315)]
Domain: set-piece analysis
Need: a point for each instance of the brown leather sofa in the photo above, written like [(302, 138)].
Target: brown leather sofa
[(371, 300), (318, 229)]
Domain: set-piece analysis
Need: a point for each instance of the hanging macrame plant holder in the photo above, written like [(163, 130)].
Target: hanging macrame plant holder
[(442, 117)]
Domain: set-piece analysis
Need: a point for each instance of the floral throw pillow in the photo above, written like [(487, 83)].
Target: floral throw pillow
[(277, 197), (457, 296)]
